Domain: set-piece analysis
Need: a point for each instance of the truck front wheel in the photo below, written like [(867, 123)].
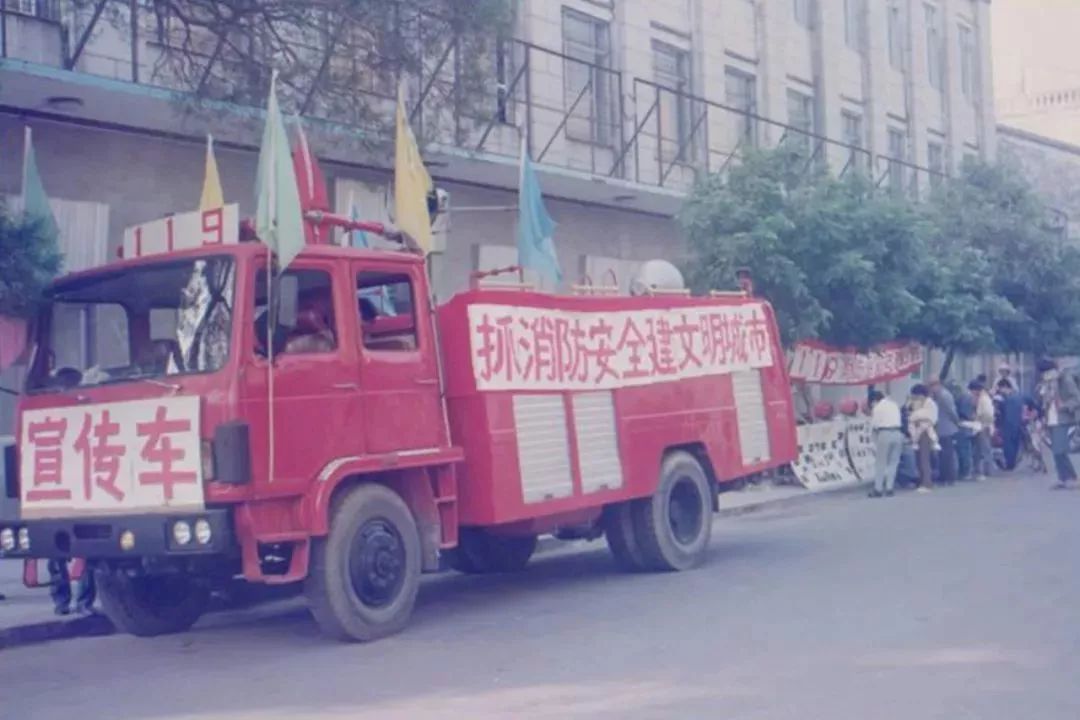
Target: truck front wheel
[(149, 605), (479, 551), (673, 526), (365, 574)]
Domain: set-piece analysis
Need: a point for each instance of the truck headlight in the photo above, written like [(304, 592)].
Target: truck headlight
[(24, 539), (181, 532), (203, 535), (7, 539)]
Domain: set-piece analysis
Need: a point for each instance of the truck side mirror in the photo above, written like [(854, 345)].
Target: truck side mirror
[(287, 300)]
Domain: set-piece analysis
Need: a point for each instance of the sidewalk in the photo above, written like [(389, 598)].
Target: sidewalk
[(26, 614)]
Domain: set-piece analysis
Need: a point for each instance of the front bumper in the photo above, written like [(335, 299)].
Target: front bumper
[(99, 537)]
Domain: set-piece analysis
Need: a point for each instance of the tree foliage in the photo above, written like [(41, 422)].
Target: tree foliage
[(834, 257), (339, 59), (29, 259), (971, 270)]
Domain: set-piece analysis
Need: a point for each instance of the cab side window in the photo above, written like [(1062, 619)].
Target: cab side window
[(387, 311), (315, 330)]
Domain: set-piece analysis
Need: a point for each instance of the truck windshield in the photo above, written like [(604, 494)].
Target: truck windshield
[(158, 320)]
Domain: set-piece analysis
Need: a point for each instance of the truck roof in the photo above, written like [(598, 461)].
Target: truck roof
[(239, 250)]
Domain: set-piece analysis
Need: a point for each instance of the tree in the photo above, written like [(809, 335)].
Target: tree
[(992, 211), (29, 259), (339, 59), (834, 257)]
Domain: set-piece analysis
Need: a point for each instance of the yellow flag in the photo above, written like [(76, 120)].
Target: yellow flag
[(212, 197), (411, 182)]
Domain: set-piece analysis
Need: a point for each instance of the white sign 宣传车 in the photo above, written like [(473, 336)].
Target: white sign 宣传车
[(527, 348), (220, 226), (142, 455)]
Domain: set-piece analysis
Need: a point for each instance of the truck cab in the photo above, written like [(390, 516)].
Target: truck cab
[(148, 442)]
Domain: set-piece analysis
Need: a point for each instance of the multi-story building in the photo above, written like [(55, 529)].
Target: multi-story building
[(623, 104)]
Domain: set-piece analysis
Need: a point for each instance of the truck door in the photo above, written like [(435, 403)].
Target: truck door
[(398, 371), (316, 400)]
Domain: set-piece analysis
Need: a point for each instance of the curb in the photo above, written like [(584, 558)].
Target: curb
[(86, 626), (807, 496)]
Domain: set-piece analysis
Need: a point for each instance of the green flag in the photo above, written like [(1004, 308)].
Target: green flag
[(279, 219), (35, 201)]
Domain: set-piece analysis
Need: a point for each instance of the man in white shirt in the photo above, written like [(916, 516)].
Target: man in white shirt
[(888, 442)]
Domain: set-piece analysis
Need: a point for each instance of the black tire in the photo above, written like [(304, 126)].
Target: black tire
[(621, 539), (480, 552), (150, 605), (365, 573), (673, 526)]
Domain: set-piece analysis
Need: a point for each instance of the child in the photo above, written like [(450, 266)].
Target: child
[(923, 417)]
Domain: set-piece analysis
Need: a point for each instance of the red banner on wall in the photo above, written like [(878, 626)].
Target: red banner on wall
[(816, 362)]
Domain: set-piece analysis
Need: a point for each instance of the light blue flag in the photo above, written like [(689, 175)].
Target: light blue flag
[(536, 229), (359, 238), (279, 219)]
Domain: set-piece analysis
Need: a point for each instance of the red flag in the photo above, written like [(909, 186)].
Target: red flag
[(312, 185)]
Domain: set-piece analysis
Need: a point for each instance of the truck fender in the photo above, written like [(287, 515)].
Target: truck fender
[(419, 482)]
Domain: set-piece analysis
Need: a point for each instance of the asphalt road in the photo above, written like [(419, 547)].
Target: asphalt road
[(964, 603)]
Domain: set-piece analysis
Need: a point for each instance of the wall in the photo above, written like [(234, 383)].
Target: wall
[(141, 177)]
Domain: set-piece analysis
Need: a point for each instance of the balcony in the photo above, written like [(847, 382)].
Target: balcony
[(614, 138)]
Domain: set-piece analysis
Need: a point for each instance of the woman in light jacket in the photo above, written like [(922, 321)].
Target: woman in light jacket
[(1059, 399)]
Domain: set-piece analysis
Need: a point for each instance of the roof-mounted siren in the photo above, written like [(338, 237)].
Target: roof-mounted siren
[(658, 277)]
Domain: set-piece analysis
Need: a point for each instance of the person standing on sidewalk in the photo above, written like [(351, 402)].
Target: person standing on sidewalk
[(922, 419), (948, 427), (1012, 422), (984, 427), (1059, 399), (965, 410), (888, 442)]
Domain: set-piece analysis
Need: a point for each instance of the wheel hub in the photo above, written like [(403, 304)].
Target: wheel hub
[(685, 511), (377, 563)]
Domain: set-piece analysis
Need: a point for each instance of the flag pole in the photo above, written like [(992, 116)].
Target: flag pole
[(27, 139), (271, 321), (270, 354)]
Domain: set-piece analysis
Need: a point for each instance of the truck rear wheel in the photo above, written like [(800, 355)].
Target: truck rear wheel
[(621, 538), (365, 574), (149, 605), (480, 552), (673, 526)]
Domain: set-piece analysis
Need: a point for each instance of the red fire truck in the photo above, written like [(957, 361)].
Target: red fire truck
[(186, 422)]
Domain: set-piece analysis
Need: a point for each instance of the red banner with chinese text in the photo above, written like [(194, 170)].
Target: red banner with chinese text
[(816, 362), (142, 455), (528, 348)]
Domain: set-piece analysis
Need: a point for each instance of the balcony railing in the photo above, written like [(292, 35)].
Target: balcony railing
[(574, 113)]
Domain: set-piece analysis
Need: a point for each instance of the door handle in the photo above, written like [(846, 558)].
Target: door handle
[(427, 381), (345, 386)]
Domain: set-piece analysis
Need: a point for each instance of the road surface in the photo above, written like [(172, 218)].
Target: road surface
[(964, 603)]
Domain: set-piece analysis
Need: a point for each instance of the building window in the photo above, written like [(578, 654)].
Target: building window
[(740, 93), (896, 35), (804, 13), (853, 137), (897, 154), (935, 48), (853, 12), (935, 159), (967, 62), (586, 80), (671, 71), (801, 120)]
